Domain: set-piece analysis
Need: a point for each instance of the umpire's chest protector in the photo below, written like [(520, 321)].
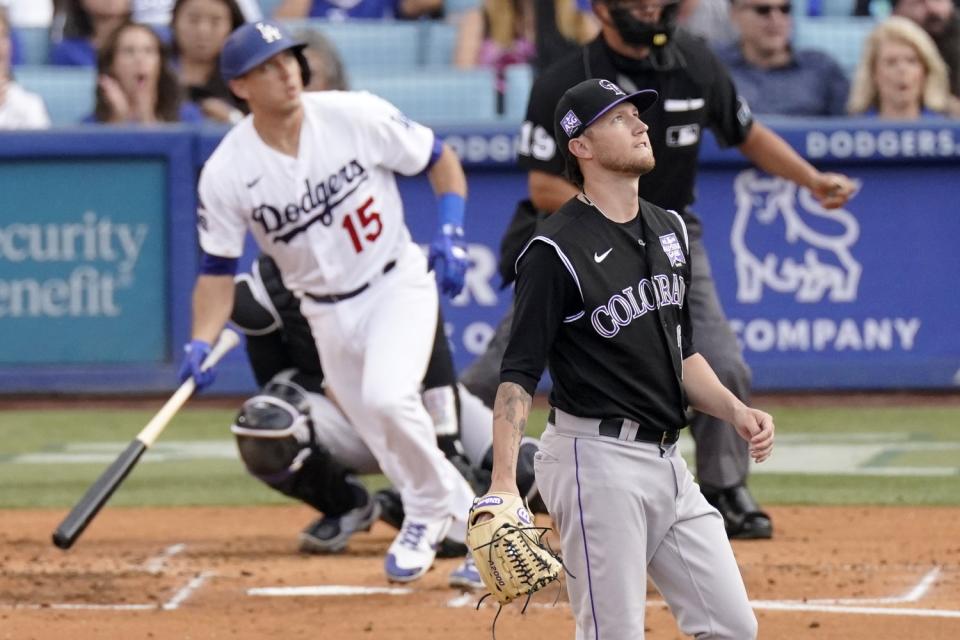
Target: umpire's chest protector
[(633, 289)]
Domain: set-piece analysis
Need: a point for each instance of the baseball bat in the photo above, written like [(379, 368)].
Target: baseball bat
[(97, 495)]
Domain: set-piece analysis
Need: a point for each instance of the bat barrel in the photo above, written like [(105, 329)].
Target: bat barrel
[(97, 495)]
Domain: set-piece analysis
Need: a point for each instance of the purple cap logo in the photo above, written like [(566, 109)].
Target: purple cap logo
[(609, 86), (570, 123), (489, 501), (524, 516)]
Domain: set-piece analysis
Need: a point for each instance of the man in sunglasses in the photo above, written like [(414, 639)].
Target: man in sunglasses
[(638, 48), (770, 75)]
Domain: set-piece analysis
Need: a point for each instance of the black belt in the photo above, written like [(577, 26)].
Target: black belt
[(611, 428), (337, 297)]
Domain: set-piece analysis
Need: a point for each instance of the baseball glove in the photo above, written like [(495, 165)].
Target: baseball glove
[(507, 548)]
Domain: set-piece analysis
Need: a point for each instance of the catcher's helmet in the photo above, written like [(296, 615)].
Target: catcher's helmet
[(256, 42)]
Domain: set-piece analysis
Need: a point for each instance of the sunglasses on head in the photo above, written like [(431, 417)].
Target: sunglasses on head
[(767, 9)]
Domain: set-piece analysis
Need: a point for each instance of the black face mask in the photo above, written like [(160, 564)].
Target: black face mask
[(643, 34)]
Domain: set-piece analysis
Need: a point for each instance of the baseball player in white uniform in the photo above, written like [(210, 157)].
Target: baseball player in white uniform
[(312, 177)]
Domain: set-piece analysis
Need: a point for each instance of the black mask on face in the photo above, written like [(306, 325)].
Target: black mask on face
[(639, 33)]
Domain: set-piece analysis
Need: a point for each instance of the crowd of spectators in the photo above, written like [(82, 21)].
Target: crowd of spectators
[(157, 60)]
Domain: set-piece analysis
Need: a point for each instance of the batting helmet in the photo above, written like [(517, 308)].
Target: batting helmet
[(256, 42)]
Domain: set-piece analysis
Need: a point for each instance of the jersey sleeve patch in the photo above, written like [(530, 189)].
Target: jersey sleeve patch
[(683, 226)]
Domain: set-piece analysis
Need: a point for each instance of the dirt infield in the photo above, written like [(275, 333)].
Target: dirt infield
[(186, 574)]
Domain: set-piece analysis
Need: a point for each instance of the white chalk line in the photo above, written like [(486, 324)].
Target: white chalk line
[(328, 590), (913, 595), (774, 605), (158, 563), (82, 607), (186, 591), (181, 596), (832, 605)]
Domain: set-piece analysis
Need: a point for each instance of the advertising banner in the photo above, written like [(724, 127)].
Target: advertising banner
[(82, 262)]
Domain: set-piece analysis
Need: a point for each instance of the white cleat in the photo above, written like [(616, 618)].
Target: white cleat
[(413, 550)]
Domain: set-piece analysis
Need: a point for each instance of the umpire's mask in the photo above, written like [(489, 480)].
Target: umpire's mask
[(637, 32)]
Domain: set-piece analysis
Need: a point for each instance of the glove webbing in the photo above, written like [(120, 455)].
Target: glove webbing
[(521, 564)]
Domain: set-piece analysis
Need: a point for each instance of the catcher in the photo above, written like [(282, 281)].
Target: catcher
[(602, 293)]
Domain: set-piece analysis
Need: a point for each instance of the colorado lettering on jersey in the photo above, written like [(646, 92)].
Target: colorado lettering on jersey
[(621, 310), (288, 221)]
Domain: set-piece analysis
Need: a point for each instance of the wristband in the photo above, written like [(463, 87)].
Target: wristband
[(451, 208)]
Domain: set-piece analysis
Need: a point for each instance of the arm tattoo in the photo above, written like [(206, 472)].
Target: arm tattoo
[(512, 405)]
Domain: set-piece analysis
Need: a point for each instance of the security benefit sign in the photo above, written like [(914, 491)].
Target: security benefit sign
[(82, 257), (859, 297)]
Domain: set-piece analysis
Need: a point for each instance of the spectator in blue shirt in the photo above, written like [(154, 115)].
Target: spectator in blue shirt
[(901, 75), (773, 77), (135, 84), (86, 26), (352, 9)]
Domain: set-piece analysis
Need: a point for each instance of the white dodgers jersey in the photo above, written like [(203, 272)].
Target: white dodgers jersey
[(331, 217)]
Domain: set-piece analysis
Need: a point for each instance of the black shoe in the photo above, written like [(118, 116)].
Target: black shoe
[(742, 516), (391, 507), (451, 549), (329, 534)]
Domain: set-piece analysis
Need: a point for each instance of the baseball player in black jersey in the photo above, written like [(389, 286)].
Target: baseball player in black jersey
[(602, 295), (639, 48)]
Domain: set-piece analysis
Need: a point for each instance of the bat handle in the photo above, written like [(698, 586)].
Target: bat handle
[(228, 340)]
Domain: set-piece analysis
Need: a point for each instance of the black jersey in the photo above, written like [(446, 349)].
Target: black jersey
[(605, 305), (695, 92)]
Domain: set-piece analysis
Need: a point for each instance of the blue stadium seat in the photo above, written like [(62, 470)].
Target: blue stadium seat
[(34, 44), (453, 7), (269, 6), (440, 41), (836, 8), (368, 46), (68, 91), (843, 38), (519, 79), (437, 97)]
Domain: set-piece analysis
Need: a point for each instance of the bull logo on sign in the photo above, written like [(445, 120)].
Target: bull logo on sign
[(815, 261)]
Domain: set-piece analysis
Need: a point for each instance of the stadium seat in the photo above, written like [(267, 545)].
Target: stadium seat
[(34, 44), (440, 41), (453, 7), (437, 97), (368, 46), (68, 91), (836, 8), (519, 79), (269, 6), (843, 38)]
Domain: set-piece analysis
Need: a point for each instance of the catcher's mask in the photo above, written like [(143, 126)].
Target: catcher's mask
[(273, 431), (640, 33)]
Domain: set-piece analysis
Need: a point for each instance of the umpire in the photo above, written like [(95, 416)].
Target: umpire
[(602, 292), (639, 47)]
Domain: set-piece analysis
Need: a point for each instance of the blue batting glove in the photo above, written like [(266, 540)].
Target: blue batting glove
[(195, 352), (448, 258)]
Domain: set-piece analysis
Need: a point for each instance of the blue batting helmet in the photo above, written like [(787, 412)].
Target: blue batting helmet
[(256, 42)]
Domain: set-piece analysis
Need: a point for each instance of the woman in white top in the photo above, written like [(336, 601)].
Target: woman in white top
[(19, 109)]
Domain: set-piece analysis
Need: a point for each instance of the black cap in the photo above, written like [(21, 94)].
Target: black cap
[(584, 103)]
